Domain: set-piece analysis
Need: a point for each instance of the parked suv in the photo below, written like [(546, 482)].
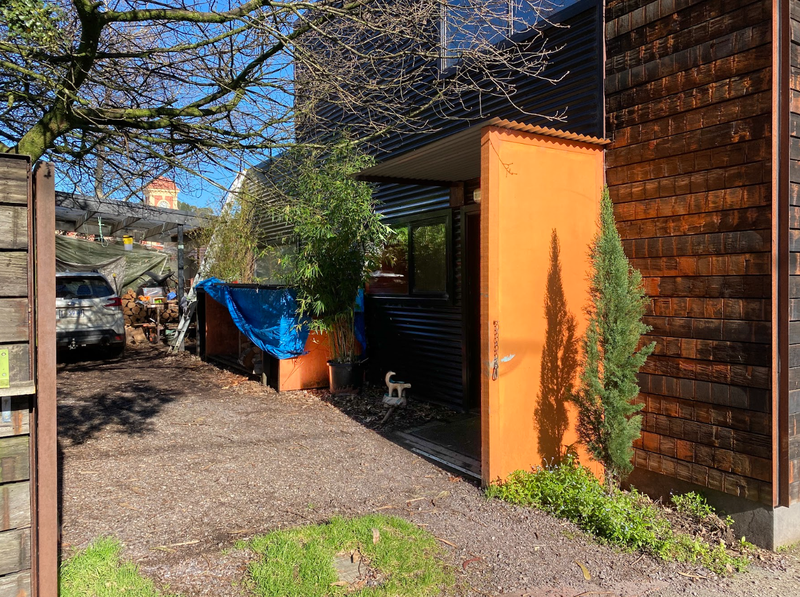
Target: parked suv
[(88, 312)]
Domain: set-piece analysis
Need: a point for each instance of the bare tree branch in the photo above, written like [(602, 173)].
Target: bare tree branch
[(179, 86)]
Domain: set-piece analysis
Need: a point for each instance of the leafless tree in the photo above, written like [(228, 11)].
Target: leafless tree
[(160, 87)]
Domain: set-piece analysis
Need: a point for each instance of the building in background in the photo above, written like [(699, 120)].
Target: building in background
[(162, 192)]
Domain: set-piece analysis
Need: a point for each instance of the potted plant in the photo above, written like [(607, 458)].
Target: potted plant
[(339, 242)]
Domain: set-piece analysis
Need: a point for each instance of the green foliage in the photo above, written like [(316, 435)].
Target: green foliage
[(33, 22), (332, 223), (339, 236), (628, 519), (232, 241), (299, 562), (193, 209), (692, 504), (98, 572), (607, 419)]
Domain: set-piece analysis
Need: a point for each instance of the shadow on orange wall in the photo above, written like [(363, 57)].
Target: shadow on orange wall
[(532, 187), (559, 365)]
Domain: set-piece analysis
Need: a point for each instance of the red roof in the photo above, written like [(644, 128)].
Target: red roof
[(162, 183)]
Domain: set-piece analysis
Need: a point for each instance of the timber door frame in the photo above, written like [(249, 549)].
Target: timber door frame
[(471, 341)]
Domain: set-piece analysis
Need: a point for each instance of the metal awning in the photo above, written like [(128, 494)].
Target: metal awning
[(455, 158), (84, 214)]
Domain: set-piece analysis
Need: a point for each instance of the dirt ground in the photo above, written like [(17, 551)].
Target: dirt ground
[(179, 460)]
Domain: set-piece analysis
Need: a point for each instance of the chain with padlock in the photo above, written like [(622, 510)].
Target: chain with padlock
[(496, 360)]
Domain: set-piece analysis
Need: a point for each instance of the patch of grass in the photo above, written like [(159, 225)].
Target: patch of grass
[(97, 571), (625, 518), (692, 504), (404, 559)]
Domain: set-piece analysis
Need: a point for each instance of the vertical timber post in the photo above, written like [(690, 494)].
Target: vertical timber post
[(181, 279), (43, 427)]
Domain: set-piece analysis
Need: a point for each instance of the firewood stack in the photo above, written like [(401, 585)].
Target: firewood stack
[(170, 314), (133, 311)]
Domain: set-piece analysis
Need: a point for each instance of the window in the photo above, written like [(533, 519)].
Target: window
[(416, 261), (466, 24), (82, 287), (392, 277), (429, 250)]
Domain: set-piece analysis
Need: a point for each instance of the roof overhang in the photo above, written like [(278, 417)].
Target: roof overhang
[(455, 158), (80, 213)]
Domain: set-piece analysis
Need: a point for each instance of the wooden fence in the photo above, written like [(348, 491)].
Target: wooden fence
[(28, 465)]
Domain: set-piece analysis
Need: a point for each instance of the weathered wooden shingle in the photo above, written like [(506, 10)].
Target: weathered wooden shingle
[(688, 101)]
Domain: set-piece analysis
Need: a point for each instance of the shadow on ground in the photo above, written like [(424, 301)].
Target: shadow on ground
[(107, 398), (130, 411)]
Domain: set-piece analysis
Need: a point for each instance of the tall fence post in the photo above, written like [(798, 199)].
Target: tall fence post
[(44, 427)]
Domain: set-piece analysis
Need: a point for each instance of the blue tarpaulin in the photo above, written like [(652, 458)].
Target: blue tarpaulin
[(267, 316)]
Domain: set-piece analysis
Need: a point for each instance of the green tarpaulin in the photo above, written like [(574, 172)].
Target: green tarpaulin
[(112, 260)]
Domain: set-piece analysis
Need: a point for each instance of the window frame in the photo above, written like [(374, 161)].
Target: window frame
[(442, 216), (448, 64)]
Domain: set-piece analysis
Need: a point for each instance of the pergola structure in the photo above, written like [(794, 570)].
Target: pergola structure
[(85, 214), (143, 222)]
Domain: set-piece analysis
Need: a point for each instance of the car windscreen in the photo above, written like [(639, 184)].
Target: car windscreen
[(71, 287)]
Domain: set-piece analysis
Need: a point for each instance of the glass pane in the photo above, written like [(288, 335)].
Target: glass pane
[(70, 287), (526, 13), (468, 24), (392, 277), (430, 258)]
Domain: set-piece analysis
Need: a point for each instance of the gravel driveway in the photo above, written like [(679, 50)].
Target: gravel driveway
[(179, 460)]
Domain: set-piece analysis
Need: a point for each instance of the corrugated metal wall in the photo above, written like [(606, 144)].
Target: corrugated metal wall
[(419, 339)]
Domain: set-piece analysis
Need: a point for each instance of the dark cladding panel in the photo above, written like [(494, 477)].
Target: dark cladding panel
[(688, 100), (794, 252), (568, 95), (422, 344), (403, 201)]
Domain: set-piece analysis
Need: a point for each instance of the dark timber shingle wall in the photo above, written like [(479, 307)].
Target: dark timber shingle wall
[(688, 100), (794, 262)]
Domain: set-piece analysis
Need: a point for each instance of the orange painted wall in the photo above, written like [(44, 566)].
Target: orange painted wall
[(530, 185), (307, 371)]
